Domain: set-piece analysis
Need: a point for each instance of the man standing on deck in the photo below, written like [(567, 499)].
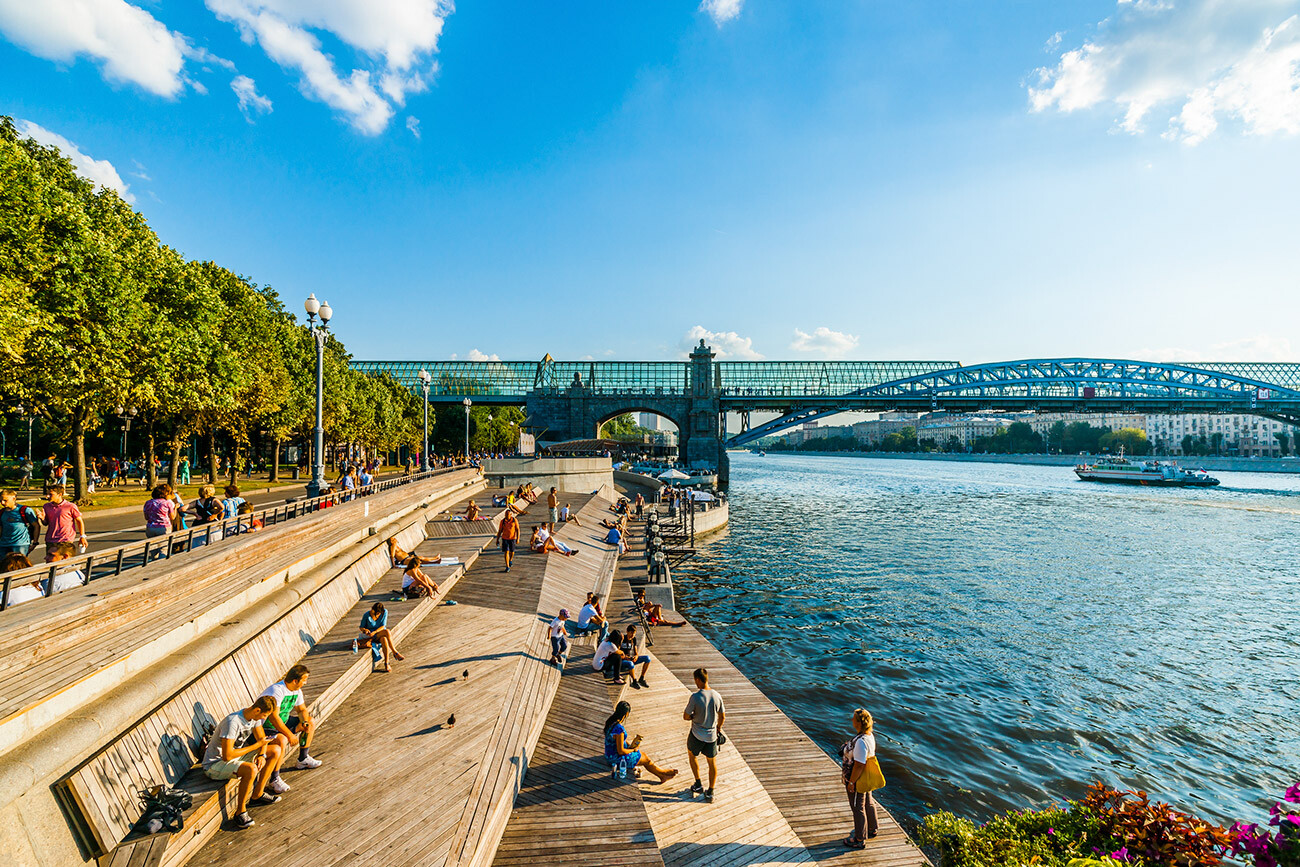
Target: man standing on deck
[(706, 715), (552, 509), (508, 535)]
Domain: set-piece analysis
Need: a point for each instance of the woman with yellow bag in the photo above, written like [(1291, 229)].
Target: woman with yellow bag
[(861, 777)]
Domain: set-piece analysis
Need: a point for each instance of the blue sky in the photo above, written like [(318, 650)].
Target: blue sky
[(971, 181)]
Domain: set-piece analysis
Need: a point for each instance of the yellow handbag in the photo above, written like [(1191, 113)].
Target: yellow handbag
[(871, 778)]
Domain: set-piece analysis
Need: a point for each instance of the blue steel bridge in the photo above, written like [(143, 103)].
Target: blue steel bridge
[(570, 399)]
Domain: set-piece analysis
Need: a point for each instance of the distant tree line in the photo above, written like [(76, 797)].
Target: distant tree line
[(1016, 438)]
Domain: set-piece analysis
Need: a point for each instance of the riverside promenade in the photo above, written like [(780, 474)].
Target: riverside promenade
[(474, 750)]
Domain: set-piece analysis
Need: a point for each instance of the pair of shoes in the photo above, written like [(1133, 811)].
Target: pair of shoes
[(277, 787), (854, 844), (697, 788), (264, 800), (308, 764), (708, 796), (242, 821)]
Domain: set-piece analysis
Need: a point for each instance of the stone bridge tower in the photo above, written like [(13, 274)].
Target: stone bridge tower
[(576, 411)]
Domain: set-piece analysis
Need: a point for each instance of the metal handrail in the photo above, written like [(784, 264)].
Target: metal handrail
[(137, 555)]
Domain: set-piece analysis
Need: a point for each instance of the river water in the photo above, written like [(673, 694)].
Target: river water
[(1017, 633)]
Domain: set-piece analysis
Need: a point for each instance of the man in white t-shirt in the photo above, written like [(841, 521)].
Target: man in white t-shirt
[(609, 658), (559, 637), (291, 724), (237, 736), (590, 618)]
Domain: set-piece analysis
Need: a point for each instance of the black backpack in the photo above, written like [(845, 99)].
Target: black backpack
[(162, 810)]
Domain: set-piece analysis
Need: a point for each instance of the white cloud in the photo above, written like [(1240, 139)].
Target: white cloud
[(475, 355), (721, 11), (250, 101), (1261, 347), (726, 344), (824, 342), (129, 44), (396, 37), (100, 172), (413, 124), (1197, 62)]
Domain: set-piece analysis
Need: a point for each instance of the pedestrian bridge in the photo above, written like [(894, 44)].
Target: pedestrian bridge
[(570, 399)]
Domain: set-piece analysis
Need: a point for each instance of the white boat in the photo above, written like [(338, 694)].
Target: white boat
[(1121, 470)]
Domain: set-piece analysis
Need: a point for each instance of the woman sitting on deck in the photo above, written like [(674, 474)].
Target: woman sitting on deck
[(625, 752), (654, 612), (414, 582), (374, 629), (543, 541)]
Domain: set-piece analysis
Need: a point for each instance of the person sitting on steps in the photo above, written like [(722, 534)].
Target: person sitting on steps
[(237, 736), (654, 612), (415, 584), (291, 725), (620, 750), (399, 556), (374, 630)]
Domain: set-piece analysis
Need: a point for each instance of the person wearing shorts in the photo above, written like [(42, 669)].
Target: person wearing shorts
[(552, 509), (508, 535), (237, 737), (291, 724), (706, 715)]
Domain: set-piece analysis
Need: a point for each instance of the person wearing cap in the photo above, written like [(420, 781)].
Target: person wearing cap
[(559, 638)]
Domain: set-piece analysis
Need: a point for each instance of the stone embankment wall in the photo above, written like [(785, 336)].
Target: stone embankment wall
[(1223, 464), (571, 475)]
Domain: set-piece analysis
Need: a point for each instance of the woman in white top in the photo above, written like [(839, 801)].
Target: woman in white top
[(863, 747)]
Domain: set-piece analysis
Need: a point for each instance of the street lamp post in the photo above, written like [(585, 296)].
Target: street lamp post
[(468, 403), (320, 333), (425, 378), (126, 415)]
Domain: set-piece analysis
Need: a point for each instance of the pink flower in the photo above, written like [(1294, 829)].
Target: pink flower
[(1293, 794)]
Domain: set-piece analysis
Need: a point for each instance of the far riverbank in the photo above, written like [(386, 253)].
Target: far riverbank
[(1226, 464)]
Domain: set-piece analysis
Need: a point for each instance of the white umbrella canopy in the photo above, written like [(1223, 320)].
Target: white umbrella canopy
[(673, 475), (702, 496)]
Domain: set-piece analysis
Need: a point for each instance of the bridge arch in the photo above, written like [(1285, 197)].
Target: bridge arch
[(606, 413)]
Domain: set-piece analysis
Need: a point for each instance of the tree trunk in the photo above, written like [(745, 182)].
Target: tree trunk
[(234, 465), (173, 465), (151, 471), (79, 457), (275, 460), (212, 457)]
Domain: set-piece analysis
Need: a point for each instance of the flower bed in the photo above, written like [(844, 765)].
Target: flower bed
[(1108, 827)]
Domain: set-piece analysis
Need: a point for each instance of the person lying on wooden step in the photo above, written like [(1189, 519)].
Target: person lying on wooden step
[(240, 748), (415, 583), (543, 541), (399, 557), (291, 725)]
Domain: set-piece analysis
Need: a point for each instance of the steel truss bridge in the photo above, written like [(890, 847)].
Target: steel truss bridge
[(803, 391)]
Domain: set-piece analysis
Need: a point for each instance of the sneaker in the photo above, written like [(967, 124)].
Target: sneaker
[(697, 788), (636, 685), (307, 764), (277, 787), (264, 800), (643, 683), (242, 821), (708, 795)]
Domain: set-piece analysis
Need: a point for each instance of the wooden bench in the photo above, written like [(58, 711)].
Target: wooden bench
[(101, 795)]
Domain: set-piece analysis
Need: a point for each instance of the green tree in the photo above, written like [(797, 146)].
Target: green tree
[(1056, 437), (1283, 442), (1082, 437), (619, 426), (1131, 439)]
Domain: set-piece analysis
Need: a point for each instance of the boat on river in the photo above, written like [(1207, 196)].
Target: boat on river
[(1164, 474)]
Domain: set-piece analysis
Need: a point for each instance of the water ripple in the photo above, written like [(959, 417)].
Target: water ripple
[(1016, 633)]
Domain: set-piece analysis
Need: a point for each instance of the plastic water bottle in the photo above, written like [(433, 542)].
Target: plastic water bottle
[(354, 645)]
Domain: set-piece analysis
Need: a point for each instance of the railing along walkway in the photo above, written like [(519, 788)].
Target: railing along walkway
[(140, 554)]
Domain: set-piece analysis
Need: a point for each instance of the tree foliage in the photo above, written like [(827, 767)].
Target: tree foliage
[(96, 313)]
